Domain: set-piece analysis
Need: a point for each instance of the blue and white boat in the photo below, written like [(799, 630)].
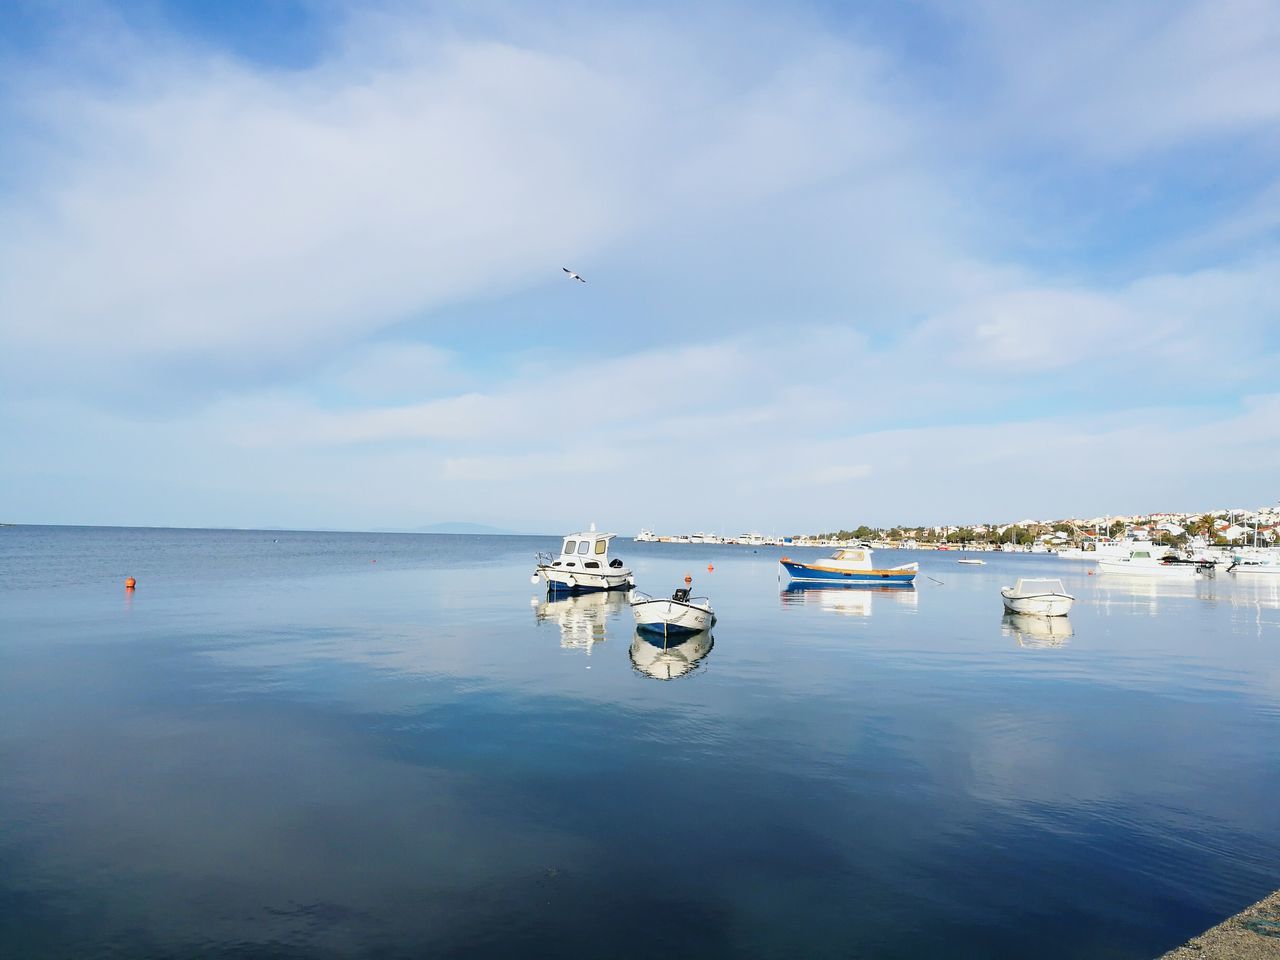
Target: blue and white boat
[(674, 616), (850, 565), (584, 566)]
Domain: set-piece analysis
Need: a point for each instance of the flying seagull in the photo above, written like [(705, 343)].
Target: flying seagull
[(572, 275)]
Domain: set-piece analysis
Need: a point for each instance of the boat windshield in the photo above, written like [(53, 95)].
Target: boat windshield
[(1040, 585), (858, 555)]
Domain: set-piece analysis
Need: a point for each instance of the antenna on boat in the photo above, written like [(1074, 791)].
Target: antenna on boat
[(593, 527)]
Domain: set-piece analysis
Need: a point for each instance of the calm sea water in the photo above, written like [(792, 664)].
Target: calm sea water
[(278, 747)]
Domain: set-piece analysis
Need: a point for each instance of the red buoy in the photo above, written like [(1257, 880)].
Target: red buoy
[(130, 583)]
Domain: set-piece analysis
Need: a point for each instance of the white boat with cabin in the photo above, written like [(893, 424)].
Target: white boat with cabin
[(584, 566), (1043, 597), (1146, 562)]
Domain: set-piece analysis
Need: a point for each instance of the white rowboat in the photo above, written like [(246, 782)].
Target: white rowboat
[(1042, 597)]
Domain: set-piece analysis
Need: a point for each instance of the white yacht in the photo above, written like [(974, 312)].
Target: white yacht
[(1147, 562), (1112, 549), (584, 566)]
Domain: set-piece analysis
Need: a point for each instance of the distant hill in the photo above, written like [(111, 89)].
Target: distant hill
[(463, 528)]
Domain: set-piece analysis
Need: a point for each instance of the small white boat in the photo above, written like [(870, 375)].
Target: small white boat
[(1252, 564), (1148, 563), (584, 566), (674, 616), (1042, 597), (973, 560)]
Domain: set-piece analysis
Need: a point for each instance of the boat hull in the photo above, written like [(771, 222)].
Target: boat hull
[(567, 582), (671, 618), (1047, 605), (1170, 571), (816, 573)]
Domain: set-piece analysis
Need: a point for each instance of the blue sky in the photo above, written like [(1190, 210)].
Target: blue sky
[(298, 264)]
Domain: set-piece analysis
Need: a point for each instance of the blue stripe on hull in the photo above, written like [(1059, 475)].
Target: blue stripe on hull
[(563, 589), (798, 571), (653, 633)]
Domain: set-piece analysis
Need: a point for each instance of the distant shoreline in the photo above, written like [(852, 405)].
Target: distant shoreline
[(403, 533)]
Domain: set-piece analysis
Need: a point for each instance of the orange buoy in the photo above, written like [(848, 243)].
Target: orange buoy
[(130, 583), (688, 579), (710, 568)]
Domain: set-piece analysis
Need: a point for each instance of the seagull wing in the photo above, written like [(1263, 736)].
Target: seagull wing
[(567, 270)]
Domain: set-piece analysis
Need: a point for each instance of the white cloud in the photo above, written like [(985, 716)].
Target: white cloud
[(334, 281), (215, 209), (1115, 81), (841, 474)]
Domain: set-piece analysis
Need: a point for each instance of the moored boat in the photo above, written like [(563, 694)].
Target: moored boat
[(674, 616), (1254, 564), (1042, 597), (850, 565), (1147, 563), (584, 566)]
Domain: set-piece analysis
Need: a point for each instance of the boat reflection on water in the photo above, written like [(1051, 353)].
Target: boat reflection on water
[(846, 599), (667, 659), (581, 618), (1032, 631)]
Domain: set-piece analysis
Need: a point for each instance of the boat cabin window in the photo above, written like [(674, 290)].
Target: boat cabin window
[(584, 546), (601, 547), (570, 546), (1142, 554), (850, 555)]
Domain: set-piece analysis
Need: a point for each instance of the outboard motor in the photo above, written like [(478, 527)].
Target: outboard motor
[(681, 595)]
